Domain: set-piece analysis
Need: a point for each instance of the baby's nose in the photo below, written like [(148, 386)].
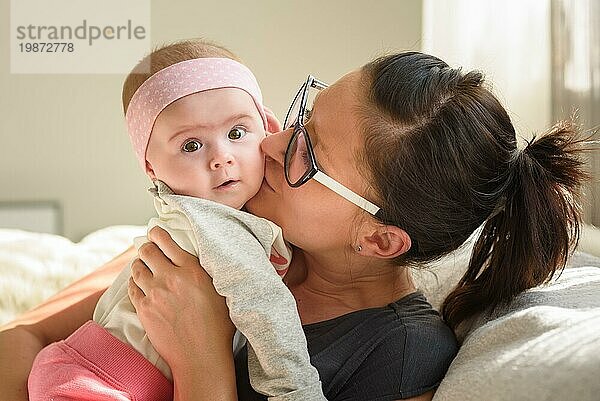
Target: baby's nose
[(221, 159)]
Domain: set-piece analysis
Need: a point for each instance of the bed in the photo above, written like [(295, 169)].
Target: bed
[(544, 346)]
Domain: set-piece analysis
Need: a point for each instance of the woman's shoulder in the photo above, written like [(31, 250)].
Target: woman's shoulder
[(397, 351), (429, 345), (412, 314), (423, 327)]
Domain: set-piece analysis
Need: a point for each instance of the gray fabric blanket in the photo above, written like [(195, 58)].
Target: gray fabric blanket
[(544, 346)]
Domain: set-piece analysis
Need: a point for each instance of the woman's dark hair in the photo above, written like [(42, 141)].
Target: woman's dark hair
[(451, 165)]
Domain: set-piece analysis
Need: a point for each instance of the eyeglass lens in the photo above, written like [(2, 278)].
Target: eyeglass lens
[(297, 158)]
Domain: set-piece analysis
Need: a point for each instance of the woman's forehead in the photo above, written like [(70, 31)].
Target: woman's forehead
[(335, 106), (333, 125), (347, 84)]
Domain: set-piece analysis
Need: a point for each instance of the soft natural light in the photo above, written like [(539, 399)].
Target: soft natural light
[(508, 40), (577, 77)]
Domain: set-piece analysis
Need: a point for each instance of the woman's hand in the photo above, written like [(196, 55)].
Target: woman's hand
[(185, 319)]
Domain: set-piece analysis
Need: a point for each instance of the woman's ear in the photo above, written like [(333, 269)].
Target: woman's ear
[(273, 124), (384, 242), (150, 171)]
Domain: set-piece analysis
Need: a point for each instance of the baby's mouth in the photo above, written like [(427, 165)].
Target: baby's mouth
[(227, 184)]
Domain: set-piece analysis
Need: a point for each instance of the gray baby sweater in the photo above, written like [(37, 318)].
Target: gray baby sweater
[(234, 248)]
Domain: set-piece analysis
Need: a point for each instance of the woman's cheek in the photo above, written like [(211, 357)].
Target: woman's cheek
[(303, 209)]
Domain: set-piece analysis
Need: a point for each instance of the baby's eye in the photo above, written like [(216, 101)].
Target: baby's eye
[(191, 145), (236, 133)]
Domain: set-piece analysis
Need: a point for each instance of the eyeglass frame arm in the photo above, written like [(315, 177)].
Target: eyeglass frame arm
[(346, 193)]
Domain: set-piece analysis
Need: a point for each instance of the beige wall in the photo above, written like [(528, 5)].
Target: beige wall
[(509, 41), (63, 136)]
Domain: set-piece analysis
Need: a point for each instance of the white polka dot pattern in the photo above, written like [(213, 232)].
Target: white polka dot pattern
[(177, 81)]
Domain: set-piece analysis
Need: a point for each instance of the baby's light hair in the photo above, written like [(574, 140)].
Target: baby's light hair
[(167, 55)]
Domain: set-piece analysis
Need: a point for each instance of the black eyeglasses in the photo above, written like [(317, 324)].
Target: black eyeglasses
[(300, 162)]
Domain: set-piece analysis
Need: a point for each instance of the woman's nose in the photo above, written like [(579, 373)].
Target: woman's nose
[(275, 145)]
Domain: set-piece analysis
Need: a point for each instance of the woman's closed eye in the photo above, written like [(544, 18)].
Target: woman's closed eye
[(305, 159)]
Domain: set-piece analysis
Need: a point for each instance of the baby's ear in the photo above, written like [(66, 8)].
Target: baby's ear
[(150, 171), (273, 124)]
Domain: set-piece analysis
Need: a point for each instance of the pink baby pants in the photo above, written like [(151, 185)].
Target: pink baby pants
[(94, 365)]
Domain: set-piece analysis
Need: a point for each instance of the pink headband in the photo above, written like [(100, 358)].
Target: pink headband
[(179, 80)]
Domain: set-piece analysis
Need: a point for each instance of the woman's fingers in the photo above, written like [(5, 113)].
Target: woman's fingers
[(171, 250), (141, 274), (152, 257), (136, 295)]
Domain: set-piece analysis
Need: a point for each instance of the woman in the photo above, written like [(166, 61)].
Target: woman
[(433, 156)]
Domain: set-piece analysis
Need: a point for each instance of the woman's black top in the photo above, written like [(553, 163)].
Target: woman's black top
[(398, 351)]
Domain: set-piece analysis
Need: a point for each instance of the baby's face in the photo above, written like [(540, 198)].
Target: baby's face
[(207, 145)]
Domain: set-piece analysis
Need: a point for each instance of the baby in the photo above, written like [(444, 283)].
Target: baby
[(196, 125)]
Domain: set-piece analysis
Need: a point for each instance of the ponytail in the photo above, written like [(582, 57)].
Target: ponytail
[(529, 235)]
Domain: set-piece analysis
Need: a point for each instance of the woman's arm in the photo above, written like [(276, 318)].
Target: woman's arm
[(55, 319), (186, 320)]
